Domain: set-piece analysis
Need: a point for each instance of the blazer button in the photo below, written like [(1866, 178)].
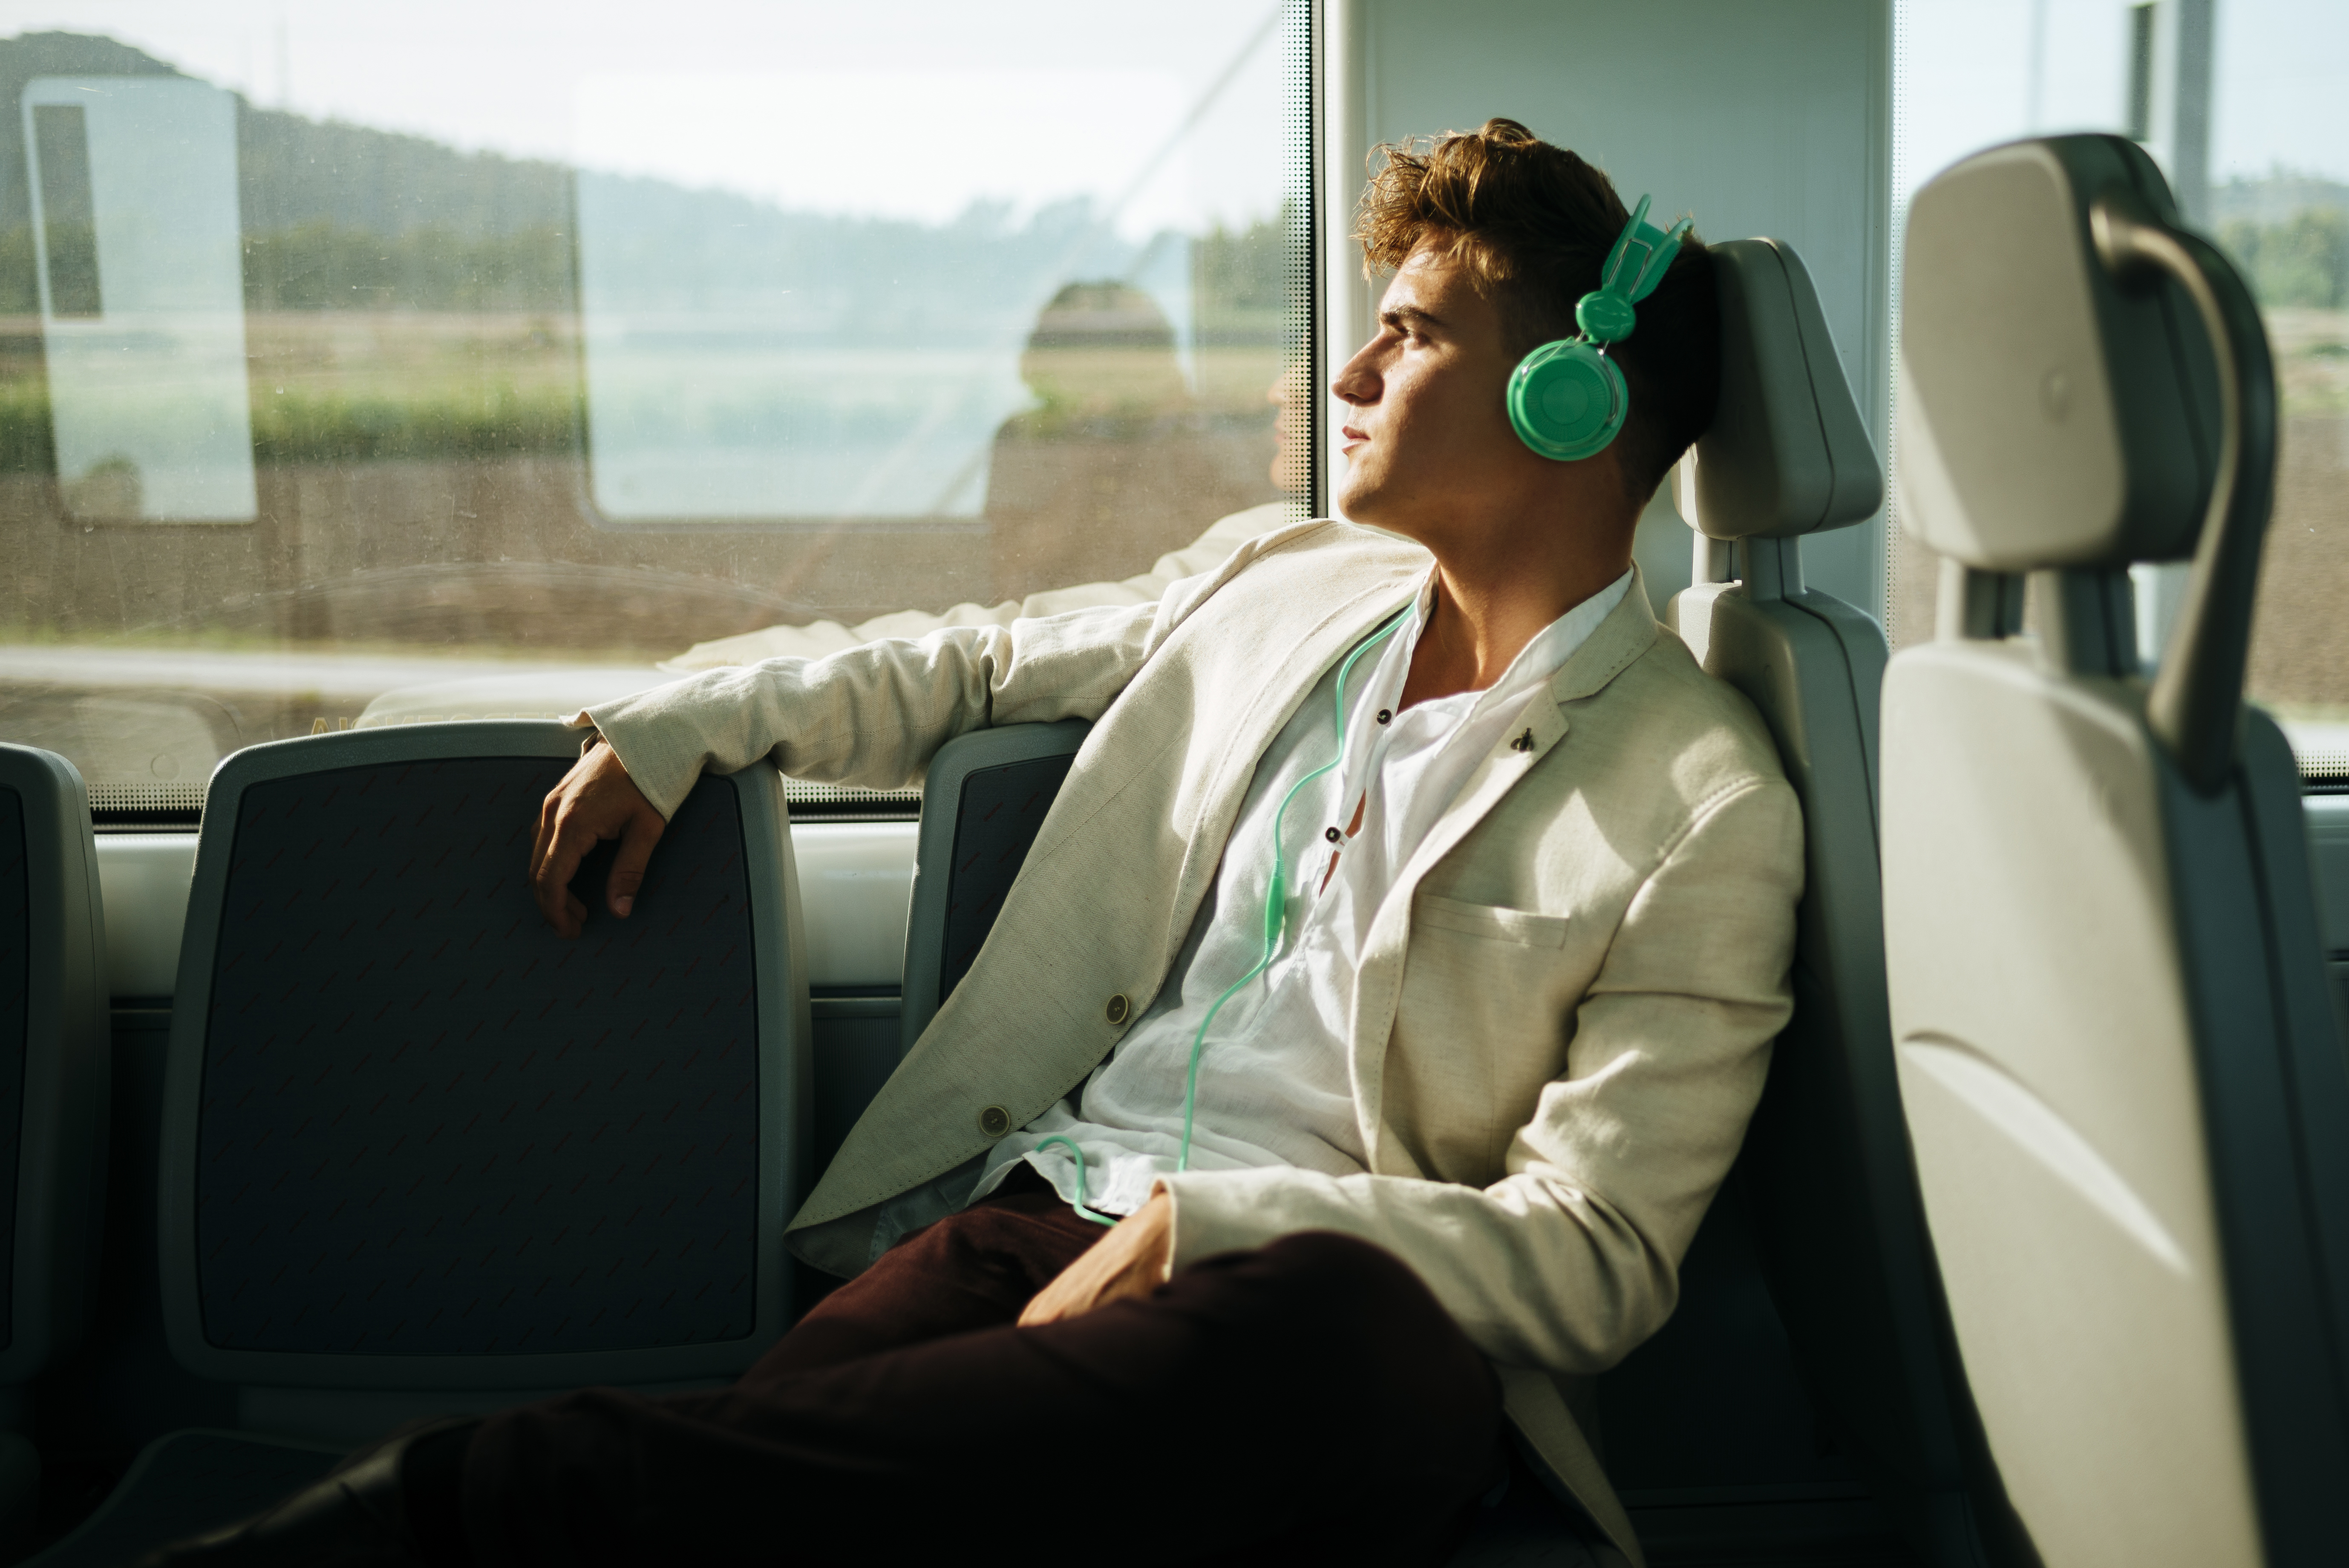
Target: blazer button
[(994, 1122), (1119, 1008)]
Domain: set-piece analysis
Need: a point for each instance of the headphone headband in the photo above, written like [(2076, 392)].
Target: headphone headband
[(1646, 251)]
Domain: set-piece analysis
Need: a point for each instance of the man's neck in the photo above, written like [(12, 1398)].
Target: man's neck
[(1490, 602)]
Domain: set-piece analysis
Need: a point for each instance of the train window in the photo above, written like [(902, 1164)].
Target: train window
[(344, 349), (2245, 104)]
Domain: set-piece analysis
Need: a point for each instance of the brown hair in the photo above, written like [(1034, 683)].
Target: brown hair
[(1531, 225)]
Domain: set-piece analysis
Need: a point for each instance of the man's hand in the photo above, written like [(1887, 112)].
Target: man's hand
[(1130, 1260), (594, 801)]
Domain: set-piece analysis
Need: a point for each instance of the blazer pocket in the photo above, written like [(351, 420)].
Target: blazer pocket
[(1522, 926)]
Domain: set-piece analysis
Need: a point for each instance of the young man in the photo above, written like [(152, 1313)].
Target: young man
[(1449, 1143)]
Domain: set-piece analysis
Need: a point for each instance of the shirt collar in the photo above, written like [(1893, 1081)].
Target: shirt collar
[(1542, 658)]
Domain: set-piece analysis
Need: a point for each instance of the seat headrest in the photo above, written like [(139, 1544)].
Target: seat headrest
[(2047, 418), (1787, 453)]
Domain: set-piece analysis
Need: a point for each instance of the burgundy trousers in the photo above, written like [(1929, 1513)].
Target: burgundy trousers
[(1308, 1402)]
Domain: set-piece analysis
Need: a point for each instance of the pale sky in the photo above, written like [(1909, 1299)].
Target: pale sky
[(908, 109), (725, 129), (1027, 100), (2281, 81)]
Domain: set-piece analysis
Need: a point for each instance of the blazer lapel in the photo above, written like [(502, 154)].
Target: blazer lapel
[(1328, 640), (1628, 632)]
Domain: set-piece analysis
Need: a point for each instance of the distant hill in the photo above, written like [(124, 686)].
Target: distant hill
[(342, 216), (295, 170), (320, 197)]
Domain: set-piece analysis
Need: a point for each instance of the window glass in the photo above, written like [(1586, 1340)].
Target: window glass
[(349, 352), (2245, 104)]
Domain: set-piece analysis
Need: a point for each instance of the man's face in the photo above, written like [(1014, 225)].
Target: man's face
[(1426, 432)]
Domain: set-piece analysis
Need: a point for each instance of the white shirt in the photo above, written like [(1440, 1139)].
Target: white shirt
[(1274, 1086)]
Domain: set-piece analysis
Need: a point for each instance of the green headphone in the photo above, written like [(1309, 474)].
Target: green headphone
[(1567, 399)]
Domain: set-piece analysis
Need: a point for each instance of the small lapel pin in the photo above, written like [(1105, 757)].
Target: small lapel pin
[(1524, 742)]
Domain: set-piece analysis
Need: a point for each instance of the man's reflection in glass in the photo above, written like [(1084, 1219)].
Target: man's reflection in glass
[(1116, 462)]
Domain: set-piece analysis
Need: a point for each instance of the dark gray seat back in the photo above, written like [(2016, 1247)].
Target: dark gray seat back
[(415, 1141), (983, 803), (53, 1059)]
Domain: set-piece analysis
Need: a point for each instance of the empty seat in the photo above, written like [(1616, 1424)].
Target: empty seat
[(53, 1082), (2129, 1101), (1834, 1196), (421, 1154), (983, 803)]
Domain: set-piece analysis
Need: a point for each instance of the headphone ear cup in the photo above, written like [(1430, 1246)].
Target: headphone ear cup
[(1566, 400)]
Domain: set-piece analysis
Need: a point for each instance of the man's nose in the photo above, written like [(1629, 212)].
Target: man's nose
[(1358, 383)]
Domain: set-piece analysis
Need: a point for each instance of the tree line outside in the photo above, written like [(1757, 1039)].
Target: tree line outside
[(2301, 262), (508, 399)]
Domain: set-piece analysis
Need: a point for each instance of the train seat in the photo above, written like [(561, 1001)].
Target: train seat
[(53, 1089), (421, 1155), (1832, 1192), (983, 803), (2119, 1062)]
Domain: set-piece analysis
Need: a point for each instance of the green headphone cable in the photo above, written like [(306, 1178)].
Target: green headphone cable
[(1276, 917), (1078, 1155), (1275, 906)]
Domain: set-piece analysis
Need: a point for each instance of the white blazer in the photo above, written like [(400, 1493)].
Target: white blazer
[(1564, 1010)]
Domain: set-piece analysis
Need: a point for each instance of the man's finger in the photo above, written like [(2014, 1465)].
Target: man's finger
[(550, 884), (636, 842), (542, 835), (550, 811)]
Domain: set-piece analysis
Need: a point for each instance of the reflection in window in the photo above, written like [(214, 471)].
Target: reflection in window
[(142, 298), (771, 356), (745, 362)]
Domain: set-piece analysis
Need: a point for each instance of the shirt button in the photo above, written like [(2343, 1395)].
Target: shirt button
[(1119, 1008), (1386, 716), (994, 1122)]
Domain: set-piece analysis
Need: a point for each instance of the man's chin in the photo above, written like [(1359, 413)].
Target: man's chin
[(1358, 502), (1370, 509)]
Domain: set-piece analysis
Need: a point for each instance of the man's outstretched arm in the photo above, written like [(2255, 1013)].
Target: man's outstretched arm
[(871, 716), (874, 715)]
